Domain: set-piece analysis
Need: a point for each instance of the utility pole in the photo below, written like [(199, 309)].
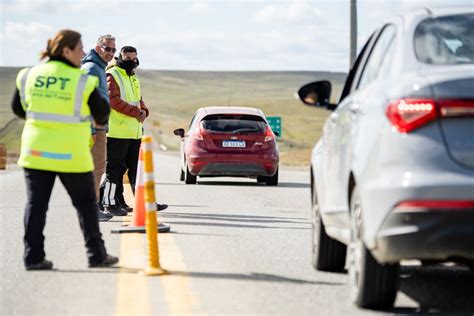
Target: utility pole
[(353, 26)]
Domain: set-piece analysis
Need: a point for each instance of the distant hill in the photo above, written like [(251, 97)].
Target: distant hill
[(174, 96)]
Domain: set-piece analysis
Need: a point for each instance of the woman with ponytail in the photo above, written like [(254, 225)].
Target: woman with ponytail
[(58, 100)]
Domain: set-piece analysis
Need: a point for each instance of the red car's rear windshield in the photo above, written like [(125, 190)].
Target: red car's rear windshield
[(235, 124)]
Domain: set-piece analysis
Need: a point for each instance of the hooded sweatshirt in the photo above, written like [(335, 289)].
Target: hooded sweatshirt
[(95, 66)]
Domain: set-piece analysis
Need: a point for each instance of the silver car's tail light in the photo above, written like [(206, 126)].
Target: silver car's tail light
[(409, 114), (434, 205), (456, 108)]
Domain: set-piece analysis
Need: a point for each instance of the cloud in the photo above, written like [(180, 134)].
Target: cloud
[(26, 31), (96, 6), (293, 12), (200, 8), (28, 6), (25, 7), (271, 50), (22, 42)]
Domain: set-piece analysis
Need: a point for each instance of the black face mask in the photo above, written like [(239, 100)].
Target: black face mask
[(128, 65)]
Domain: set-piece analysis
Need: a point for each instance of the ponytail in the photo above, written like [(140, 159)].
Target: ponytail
[(62, 39)]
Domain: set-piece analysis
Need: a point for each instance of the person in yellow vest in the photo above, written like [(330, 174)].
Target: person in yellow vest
[(128, 111), (57, 100)]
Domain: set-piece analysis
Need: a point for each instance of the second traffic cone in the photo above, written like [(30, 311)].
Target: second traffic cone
[(138, 216)]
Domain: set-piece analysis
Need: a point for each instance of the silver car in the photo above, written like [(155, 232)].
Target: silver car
[(392, 177)]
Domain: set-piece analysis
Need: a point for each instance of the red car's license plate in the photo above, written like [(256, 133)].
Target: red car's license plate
[(233, 143)]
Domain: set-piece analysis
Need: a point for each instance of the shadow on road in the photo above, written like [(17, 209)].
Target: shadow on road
[(234, 225), (250, 277), (236, 221), (236, 218), (439, 289), (182, 205), (212, 275), (255, 184), (115, 269)]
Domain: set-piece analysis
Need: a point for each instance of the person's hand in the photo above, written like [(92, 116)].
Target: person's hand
[(142, 116), (92, 141)]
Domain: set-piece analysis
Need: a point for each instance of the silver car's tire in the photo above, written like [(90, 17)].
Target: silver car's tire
[(372, 285), (181, 175), (189, 178), (327, 254)]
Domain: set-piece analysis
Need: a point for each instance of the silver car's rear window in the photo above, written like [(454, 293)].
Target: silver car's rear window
[(236, 124), (446, 40)]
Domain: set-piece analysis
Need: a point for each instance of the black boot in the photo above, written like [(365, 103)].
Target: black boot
[(115, 210), (107, 262), (43, 265)]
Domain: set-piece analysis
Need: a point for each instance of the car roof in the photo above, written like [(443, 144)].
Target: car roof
[(435, 11), (230, 110), (450, 10)]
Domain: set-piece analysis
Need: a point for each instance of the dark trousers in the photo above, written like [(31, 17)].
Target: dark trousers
[(80, 187), (122, 155)]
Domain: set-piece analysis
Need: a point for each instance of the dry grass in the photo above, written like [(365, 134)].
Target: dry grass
[(174, 96)]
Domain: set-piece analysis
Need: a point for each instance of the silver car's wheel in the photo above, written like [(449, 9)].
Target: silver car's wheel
[(181, 176), (372, 285), (327, 254)]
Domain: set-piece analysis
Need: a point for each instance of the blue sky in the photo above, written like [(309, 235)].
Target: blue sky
[(203, 35)]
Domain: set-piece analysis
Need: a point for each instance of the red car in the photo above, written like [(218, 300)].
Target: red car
[(229, 141)]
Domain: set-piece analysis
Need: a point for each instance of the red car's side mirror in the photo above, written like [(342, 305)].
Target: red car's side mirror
[(179, 132)]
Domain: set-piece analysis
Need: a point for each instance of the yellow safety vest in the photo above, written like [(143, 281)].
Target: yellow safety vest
[(57, 131), (121, 125)]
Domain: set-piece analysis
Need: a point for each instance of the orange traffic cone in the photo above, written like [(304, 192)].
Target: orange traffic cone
[(138, 216)]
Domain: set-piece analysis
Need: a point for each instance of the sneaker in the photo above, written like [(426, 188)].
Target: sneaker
[(107, 262), (126, 208), (103, 217), (161, 207), (43, 265), (115, 210)]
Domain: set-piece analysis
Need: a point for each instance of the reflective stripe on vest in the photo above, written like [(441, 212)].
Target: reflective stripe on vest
[(123, 92), (60, 118), (23, 88), (50, 155), (121, 125), (56, 133)]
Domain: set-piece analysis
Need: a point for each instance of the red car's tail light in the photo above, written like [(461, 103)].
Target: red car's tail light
[(198, 139), (409, 114), (435, 205), (269, 136), (456, 108)]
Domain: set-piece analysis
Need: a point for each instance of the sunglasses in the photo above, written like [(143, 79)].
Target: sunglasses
[(109, 49)]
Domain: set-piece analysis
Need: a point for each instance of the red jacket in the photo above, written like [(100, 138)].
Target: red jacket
[(120, 105)]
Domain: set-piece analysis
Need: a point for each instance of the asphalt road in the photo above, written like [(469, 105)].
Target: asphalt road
[(236, 248)]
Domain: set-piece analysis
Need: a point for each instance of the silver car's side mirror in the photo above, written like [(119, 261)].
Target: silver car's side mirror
[(316, 94)]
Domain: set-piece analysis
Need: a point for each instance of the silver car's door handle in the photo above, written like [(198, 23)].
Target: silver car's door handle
[(334, 117), (354, 108)]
